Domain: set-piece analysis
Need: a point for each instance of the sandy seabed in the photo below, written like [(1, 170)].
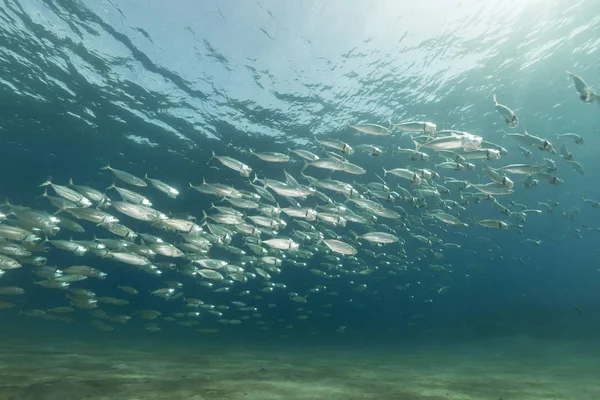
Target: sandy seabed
[(508, 369)]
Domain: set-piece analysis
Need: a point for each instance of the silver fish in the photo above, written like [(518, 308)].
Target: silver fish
[(411, 176), (242, 203), (139, 212), (69, 194), (576, 138), (330, 164), (586, 94), (498, 177), (509, 116), (232, 163), (489, 145), (71, 225), (181, 225), (481, 154), (8, 263), (576, 166), (210, 274), (305, 154), (447, 218), (531, 140), (222, 190), (379, 237), (526, 152), (92, 215), (17, 233), (492, 188), (337, 246), (163, 187), (129, 258), (130, 196), (271, 157), (91, 193), (414, 155), (371, 129), (521, 169), (225, 219), (493, 223), (263, 192), (336, 145), (415, 126), (282, 244), (369, 148), (301, 212), (284, 189), (125, 176)]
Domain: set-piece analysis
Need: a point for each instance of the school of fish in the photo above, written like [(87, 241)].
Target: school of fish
[(340, 230)]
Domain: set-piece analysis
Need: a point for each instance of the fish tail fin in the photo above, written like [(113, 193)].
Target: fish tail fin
[(204, 181), (146, 176), (417, 145), (305, 165), (204, 216), (255, 178), (45, 194), (70, 182), (495, 101), (112, 186), (384, 171), (47, 182), (104, 203), (107, 166), (569, 74)]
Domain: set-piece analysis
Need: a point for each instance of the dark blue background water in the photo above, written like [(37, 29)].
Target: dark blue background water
[(155, 88)]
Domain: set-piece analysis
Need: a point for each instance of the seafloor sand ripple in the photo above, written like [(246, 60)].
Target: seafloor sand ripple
[(508, 370)]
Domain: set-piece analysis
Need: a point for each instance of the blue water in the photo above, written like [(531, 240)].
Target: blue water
[(153, 87)]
